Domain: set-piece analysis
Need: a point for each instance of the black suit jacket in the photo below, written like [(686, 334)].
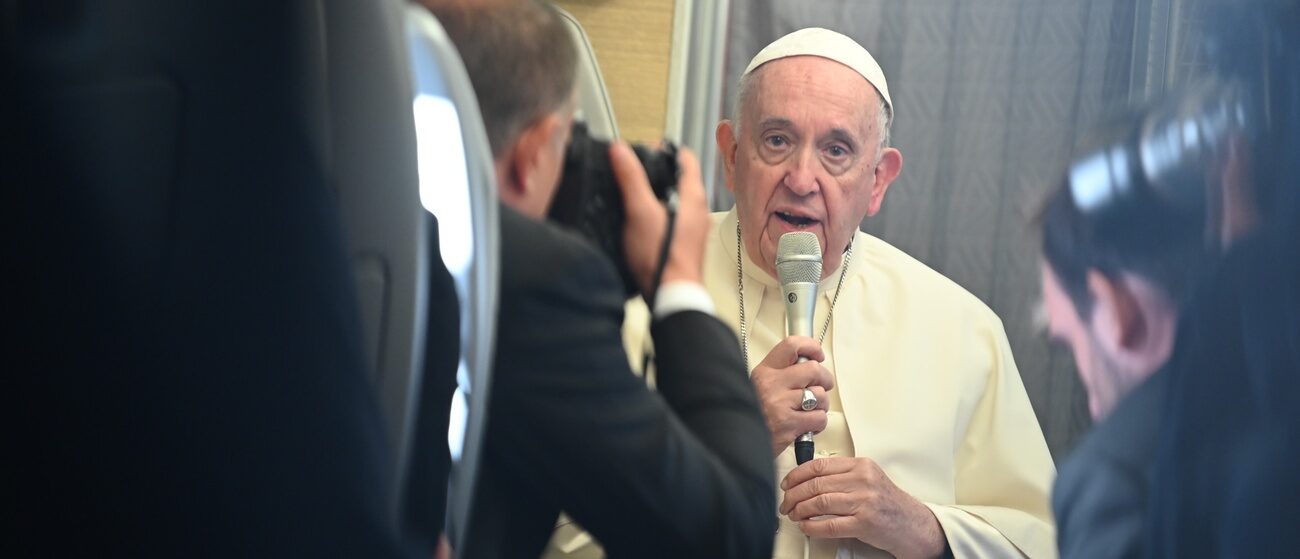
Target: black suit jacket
[(1100, 494), (686, 471)]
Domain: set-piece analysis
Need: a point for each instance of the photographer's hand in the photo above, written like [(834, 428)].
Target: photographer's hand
[(643, 233)]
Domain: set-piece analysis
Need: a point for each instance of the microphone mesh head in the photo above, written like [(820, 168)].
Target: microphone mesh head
[(798, 258)]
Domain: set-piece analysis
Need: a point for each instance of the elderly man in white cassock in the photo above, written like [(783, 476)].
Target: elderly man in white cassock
[(926, 444)]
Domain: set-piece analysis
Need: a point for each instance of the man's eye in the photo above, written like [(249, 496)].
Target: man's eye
[(775, 141), (837, 151)]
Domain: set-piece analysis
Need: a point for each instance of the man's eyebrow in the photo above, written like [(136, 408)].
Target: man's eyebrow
[(844, 136), (776, 122), (841, 134)]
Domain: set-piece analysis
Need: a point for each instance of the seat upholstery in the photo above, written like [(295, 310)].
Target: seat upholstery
[(196, 208)]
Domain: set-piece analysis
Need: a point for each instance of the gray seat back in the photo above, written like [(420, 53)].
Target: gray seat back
[(374, 172), (187, 279), (458, 184)]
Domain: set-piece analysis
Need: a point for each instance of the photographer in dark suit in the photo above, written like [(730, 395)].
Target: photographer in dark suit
[(684, 472)]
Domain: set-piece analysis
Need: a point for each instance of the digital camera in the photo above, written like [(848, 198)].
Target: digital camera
[(589, 200)]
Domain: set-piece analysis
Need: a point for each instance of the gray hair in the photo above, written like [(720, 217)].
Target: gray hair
[(884, 114), (520, 59)]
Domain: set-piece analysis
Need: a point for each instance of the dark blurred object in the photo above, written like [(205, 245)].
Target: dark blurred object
[(189, 377), (1165, 159), (1223, 481), (589, 199), (1176, 153), (1223, 477)]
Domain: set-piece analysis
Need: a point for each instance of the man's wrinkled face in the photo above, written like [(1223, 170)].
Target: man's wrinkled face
[(805, 157), (1100, 375)]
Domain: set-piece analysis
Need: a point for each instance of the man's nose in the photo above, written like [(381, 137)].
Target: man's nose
[(801, 176)]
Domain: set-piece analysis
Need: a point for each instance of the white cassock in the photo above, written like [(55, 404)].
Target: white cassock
[(925, 385)]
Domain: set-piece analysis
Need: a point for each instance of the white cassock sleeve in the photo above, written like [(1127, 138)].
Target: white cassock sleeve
[(1003, 472)]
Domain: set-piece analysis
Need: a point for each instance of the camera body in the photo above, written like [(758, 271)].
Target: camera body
[(589, 201)]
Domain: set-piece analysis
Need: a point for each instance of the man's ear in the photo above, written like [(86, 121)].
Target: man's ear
[(726, 136), (891, 164), (1117, 319), (524, 162), (1147, 338)]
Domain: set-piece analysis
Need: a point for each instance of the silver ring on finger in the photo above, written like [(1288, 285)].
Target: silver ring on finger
[(809, 402)]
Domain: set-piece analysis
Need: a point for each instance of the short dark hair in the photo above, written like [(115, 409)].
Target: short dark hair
[(1166, 248), (520, 57)]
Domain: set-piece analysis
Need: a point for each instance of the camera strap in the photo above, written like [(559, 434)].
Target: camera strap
[(671, 206), (648, 354)]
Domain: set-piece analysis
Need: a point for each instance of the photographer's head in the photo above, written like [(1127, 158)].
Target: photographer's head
[(808, 150), (1112, 292), (523, 65)]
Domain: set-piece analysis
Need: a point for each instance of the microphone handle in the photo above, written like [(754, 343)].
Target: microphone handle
[(801, 300), (803, 446)]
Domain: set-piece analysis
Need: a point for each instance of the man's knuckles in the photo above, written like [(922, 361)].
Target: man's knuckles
[(837, 527), (824, 504), (817, 486), (814, 421), (772, 399), (796, 428), (820, 467)]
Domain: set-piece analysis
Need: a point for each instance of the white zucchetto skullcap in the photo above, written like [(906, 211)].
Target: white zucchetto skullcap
[(815, 41)]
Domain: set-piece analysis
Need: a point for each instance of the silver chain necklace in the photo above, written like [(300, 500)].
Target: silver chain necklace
[(740, 290)]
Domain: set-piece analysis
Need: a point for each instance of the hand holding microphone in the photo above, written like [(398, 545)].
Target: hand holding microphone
[(792, 371), (780, 379), (799, 267)]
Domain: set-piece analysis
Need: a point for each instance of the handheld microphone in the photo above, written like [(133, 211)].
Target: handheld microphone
[(799, 268)]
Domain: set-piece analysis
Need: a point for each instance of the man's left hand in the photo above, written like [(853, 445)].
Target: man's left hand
[(843, 497)]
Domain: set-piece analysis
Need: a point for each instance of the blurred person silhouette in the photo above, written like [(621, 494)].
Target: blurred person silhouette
[(1112, 296), (678, 473), (1222, 152), (1224, 481)]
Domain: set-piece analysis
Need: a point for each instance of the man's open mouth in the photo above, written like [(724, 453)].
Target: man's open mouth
[(796, 220)]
